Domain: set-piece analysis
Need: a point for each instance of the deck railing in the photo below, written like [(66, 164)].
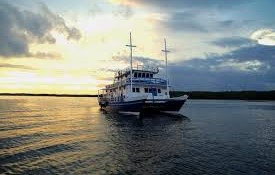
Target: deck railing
[(157, 81), (146, 68), (140, 81), (137, 68)]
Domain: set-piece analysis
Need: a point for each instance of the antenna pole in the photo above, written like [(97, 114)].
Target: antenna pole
[(166, 72), (131, 57)]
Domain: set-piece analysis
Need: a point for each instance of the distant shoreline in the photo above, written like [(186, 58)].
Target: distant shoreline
[(223, 95), (227, 95), (48, 95)]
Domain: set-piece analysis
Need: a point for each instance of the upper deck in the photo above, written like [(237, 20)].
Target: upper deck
[(138, 68), (139, 82)]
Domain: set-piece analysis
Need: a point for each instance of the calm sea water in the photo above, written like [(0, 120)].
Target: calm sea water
[(56, 135)]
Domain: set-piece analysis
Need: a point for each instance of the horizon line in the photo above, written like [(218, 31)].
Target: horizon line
[(93, 95)]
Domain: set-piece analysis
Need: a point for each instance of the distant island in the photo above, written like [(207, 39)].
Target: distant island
[(223, 95)]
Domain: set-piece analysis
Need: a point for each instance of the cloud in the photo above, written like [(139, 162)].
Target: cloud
[(185, 21), (255, 52), (231, 42), (264, 36), (214, 17), (250, 57), (182, 3), (108, 70), (246, 68), (45, 55), (95, 10), (20, 28), (15, 66), (239, 62), (138, 60), (250, 67), (123, 11), (183, 78), (206, 22)]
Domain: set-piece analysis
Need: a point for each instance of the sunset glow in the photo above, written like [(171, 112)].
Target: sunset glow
[(74, 47)]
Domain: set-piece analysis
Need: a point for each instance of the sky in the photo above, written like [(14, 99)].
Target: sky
[(74, 47)]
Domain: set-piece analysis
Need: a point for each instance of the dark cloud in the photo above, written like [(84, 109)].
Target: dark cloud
[(58, 23), (199, 16), (226, 23), (19, 28), (246, 68), (183, 78), (15, 66), (185, 21), (257, 51), (191, 21), (230, 42)]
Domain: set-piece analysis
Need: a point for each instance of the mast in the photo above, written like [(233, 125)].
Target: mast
[(131, 56), (166, 74)]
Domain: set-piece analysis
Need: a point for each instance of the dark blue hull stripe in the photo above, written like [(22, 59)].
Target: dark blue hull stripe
[(146, 105)]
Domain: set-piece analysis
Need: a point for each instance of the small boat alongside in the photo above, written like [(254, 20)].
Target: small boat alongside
[(137, 89)]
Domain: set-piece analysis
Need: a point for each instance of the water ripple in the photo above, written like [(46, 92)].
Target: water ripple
[(53, 135)]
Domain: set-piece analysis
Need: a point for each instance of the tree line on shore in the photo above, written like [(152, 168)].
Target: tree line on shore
[(227, 95)]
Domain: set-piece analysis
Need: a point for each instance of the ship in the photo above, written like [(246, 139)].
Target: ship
[(139, 89)]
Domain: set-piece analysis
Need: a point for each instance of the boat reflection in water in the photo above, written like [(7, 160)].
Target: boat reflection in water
[(138, 117), (144, 146)]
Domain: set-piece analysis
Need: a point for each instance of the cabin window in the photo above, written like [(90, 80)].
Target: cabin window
[(146, 90), (159, 91), (139, 74), (151, 75), (152, 90), (143, 75), (135, 75), (136, 90), (147, 75)]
